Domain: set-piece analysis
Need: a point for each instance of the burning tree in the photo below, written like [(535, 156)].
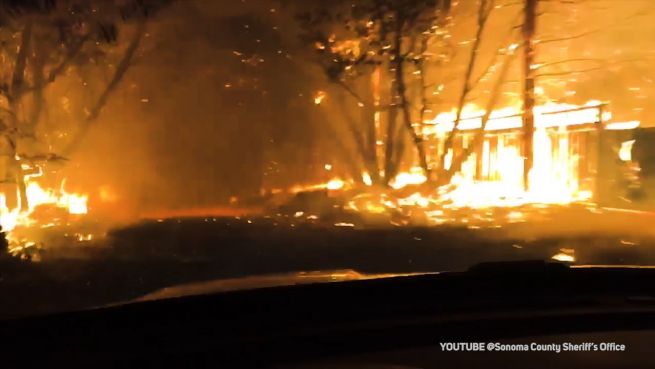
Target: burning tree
[(380, 53), (43, 42), (469, 84), (377, 51)]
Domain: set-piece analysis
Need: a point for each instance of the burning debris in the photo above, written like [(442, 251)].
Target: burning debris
[(567, 145), (510, 159), (45, 208), (50, 94)]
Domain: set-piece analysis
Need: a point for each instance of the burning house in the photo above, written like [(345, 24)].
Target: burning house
[(570, 152), (581, 155)]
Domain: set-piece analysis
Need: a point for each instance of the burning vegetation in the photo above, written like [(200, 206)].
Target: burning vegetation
[(404, 112), (512, 138), (48, 48)]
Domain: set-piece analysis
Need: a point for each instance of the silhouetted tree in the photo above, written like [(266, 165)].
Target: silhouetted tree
[(374, 50), (43, 40)]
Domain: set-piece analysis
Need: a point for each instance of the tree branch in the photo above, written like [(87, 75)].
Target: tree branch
[(484, 11), (56, 71), (404, 104), (17, 81), (558, 74), (457, 162), (121, 69)]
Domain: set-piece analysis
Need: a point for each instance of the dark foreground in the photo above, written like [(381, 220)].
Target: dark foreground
[(133, 261), (404, 322)]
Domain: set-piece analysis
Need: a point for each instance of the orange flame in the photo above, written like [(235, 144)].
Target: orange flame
[(554, 178), (38, 196)]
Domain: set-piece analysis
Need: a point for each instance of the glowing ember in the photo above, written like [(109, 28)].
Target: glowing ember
[(332, 185), (319, 97), (84, 237), (413, 177), (563, 257), (566, 255), (335, 184), (366, 178)]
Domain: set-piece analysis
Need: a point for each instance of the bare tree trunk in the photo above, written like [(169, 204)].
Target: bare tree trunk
[(357, 137), (529, 26), (17, 82), (399, 150), (390, 161), (18, 76), (38, 99), (59, 69), (417, 139), (370, 111), (423, 83), (345, 155), (478, 139), (401, 89), (484, 11), (368, 118)]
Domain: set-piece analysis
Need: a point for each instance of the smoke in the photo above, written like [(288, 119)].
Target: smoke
[(219, 103), (214, 105)]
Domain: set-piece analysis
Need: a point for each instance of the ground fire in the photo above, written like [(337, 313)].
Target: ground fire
[(17, 219), (566, 149), (525, 149)]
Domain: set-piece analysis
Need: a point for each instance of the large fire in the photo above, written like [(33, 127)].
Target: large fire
[(554, 178), (18, 216), (493, 176)]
